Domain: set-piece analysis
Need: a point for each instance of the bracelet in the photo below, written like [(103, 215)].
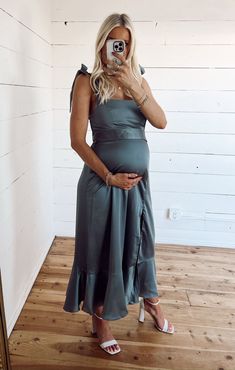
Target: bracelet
[(143, 100), (108, 174)]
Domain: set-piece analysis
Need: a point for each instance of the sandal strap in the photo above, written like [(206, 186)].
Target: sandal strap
[(152, 303), (108, 343), (101, 318)]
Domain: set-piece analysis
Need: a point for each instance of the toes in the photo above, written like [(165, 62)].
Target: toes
[(115, 347), (109, 348), (112, 348)]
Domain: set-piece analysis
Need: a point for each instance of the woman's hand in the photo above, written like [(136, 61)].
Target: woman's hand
[(140, 91), (122, 73), (124, 181)]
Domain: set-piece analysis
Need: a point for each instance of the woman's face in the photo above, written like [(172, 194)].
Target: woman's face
[(117, 33)]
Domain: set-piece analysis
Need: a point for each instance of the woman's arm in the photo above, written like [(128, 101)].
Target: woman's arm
[(151, 109), (78, 125)]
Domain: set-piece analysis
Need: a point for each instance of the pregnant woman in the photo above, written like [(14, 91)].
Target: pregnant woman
[(114, 261)]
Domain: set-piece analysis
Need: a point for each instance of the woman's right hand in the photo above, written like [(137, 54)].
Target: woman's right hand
[(124, 181)]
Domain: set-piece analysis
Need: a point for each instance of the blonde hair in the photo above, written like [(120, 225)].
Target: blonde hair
[(100, 83)]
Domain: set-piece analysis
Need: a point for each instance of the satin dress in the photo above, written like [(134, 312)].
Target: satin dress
[(114, 258)]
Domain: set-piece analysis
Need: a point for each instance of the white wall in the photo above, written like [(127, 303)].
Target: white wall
[(188, 51), (25, 147)]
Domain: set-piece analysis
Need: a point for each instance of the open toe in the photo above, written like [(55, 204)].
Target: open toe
[(109, 346)]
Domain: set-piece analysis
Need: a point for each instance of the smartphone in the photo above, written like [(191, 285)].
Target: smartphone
[(115, 45)]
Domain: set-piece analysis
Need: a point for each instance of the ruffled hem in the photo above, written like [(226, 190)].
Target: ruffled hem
[(114, 292)]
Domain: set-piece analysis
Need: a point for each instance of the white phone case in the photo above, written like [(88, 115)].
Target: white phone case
[(117, 45)]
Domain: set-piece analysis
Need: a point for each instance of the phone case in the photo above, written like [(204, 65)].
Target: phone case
[(115, 45)]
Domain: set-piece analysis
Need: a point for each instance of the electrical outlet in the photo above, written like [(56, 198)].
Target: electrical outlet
[(175, 214)]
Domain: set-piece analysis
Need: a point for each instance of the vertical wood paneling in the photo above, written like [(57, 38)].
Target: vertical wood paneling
[(26, 147)]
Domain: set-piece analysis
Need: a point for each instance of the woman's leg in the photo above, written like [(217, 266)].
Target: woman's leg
[(103, 330), (156, 312)]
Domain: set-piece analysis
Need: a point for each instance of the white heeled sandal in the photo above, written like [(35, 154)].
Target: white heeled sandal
[(141, 317), (108, 343)]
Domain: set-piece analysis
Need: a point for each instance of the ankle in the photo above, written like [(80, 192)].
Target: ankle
[(99, 311), (103, 329), (95, 315), (152, 300)]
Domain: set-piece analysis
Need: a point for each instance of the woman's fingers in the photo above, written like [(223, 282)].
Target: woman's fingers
[(120, 57), (133, 180), (127, 180), (112, 69), (131, 175)]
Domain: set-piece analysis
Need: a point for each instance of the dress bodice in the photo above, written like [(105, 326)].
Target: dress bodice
[(115, 119)]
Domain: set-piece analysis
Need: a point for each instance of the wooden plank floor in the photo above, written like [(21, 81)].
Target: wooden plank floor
[(197, 289)]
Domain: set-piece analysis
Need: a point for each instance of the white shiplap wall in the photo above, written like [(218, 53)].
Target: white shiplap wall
[(25, 147), (188, 51)]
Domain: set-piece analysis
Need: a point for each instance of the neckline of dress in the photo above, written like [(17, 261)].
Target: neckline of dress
[(109, 100)]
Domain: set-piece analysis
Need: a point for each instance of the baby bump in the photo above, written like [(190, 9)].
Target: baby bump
[(130, 155)]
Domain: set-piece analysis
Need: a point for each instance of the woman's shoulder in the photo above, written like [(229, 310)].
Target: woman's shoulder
[(85, 82), (83, 70)]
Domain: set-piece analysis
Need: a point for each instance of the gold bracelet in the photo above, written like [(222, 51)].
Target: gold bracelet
[(108, 174), (143, 100)]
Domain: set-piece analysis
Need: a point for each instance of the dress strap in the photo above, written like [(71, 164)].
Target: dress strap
[(82, 70), (142, 70)]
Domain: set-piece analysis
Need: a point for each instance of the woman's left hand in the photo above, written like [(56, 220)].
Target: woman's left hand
[(121, 73)]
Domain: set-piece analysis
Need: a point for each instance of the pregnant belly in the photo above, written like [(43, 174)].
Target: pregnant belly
[(131, 155)]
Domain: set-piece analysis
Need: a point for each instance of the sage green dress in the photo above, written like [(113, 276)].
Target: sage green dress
[(114, 259)]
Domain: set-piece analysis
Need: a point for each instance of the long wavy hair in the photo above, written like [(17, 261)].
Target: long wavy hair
[(100, 83)]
